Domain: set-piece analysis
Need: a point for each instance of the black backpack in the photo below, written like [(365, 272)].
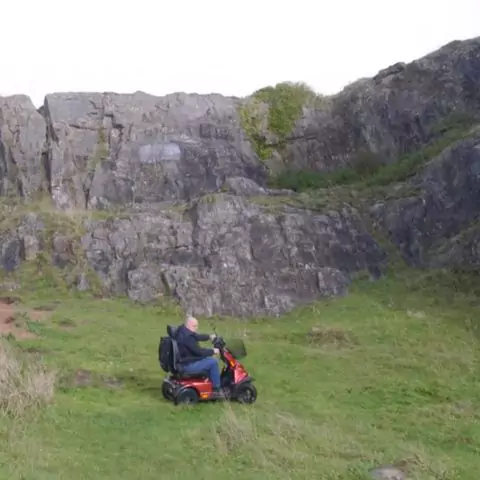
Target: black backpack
[(167, 351)]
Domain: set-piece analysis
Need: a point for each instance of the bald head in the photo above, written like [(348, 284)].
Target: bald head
[(191, 323)]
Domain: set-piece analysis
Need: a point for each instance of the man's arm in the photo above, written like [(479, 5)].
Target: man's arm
[(191, 344), (201, 337)]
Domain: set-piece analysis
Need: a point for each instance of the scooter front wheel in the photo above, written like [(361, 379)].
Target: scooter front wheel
[(246, 394)]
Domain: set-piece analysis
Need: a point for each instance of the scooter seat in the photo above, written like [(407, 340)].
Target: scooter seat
[(184, 375)]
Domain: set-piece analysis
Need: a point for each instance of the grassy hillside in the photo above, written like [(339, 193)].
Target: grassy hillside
[(389, 375)]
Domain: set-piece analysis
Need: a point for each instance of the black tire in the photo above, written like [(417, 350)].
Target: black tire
[(246, 394), (167, 392), (189, 396)]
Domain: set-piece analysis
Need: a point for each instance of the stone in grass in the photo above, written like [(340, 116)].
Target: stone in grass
[(387, 472)]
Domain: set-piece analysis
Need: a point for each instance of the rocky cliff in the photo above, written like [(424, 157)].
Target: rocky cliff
[(396, 112), (436, 224), (176, 186)]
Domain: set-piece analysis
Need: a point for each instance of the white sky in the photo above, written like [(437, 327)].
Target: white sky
[(203, 46)]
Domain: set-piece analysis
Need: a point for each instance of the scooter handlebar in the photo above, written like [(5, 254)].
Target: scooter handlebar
[(219, 342)]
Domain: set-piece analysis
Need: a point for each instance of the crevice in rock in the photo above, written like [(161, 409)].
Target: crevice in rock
[(50, 138), (45, 157)]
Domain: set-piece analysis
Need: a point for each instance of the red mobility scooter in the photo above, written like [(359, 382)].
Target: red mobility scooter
[(182, 388)]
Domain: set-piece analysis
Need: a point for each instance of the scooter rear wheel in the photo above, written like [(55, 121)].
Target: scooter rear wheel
[(189, 396)]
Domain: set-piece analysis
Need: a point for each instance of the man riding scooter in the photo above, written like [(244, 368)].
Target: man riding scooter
[(195, 359)]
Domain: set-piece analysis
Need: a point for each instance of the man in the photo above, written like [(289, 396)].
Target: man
[(194, 358)]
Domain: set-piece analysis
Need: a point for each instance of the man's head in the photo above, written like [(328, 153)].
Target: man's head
[(191, 323)]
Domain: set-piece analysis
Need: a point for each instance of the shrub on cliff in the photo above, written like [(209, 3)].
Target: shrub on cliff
[(284, 103)]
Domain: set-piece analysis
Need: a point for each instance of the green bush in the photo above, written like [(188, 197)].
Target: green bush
[(285, 102)]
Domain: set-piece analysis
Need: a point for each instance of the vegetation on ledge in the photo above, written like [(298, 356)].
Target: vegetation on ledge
[(368, 172), (284, 104), (47, 224)]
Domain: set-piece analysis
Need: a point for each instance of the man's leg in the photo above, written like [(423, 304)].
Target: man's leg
[(209, 365)]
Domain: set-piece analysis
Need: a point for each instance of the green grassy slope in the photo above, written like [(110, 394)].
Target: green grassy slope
[(391, 375)]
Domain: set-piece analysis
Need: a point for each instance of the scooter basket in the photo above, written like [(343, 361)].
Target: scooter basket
[(237, 348)]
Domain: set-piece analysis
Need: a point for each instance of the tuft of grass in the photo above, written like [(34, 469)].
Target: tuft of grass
[(25, 384)]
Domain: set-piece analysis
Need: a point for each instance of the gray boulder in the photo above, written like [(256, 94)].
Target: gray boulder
[(388, 472), (243, 186)]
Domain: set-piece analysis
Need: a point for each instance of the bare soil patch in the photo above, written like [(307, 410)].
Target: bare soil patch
[(86, 378), (330, 336), (14, 319)]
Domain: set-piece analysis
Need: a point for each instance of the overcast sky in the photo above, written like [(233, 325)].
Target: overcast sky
[(225, 46)]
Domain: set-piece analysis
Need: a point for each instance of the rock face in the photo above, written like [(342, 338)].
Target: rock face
[(139, 157), (222, 254), (107, 149), (22, 243), (427, 226), (104, 150), (226, 255), (23, 160), (391, 114)]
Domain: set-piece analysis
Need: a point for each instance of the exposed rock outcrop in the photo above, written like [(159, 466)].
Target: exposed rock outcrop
[(107, 149), (393, 113), (222, 254), (443, 209), (226, 255), (157, 165), (104, 150), (23, 160)]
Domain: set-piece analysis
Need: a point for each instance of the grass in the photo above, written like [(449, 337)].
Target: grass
[(387, 374)]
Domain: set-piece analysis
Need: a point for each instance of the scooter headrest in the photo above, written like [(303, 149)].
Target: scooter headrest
[(171, 331)]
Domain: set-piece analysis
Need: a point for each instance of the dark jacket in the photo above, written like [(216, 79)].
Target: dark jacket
[(188, 347)]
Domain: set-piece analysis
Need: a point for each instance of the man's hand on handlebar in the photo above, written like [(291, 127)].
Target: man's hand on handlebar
[(216, 351), (212, 337)]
